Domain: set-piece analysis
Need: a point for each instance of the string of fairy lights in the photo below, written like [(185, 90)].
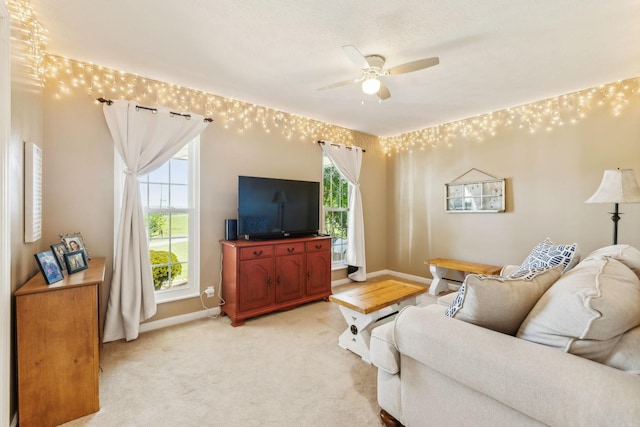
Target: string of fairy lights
[(67, 75)]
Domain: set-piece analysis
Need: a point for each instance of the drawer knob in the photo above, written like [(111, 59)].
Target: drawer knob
[(291, 249), (318, 246), (257, 253)]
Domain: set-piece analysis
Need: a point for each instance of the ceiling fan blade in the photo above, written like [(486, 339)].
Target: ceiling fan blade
[(355, 56), (340, 84), (383, 92), (413, 66)]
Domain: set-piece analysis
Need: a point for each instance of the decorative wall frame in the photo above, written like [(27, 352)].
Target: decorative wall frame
[(32, 192), (475, 191)]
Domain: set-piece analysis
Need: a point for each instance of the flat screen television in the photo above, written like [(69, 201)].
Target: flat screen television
[(271, 208)]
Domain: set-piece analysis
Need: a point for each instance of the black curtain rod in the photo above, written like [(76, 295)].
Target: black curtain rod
[(338, 145), (155, 110)]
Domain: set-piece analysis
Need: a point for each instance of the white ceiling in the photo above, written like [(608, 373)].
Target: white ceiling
[(275, 53)]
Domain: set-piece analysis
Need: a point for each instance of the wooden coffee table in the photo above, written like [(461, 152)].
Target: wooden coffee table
[(367, 304)]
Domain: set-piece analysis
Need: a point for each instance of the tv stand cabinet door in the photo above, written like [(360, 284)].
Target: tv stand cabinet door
[(256, 284), (319, 272), (290, 272)]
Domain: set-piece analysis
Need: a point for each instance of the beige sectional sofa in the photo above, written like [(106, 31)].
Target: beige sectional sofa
[(572, 358)]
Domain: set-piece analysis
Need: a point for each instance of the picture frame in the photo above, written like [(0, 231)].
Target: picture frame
[(74, 242), (59, 249), (477, 192), (49, 266), (76, 261)]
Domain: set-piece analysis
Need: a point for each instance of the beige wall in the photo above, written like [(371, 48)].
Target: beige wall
[(79, 183), (26, 126), (549, 176)]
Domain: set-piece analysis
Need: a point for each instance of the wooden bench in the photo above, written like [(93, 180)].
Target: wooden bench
[(441, 266)]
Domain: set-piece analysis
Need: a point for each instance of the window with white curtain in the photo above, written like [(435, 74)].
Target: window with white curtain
[(335, 211), (170, 200)]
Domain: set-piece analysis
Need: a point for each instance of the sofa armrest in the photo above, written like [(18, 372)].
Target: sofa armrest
[(539, 381), (382, 348)]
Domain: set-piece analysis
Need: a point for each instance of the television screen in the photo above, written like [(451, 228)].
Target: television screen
[(271, 208)]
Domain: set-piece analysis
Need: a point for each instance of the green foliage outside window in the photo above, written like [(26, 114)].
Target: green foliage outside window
[(164, 269), (157, 224), (336, 202)]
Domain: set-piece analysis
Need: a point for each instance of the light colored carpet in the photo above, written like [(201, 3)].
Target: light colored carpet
[(281, 369)]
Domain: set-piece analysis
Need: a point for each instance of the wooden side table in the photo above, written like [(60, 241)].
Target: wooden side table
[(367, 304), (58, 336), (441, 266)]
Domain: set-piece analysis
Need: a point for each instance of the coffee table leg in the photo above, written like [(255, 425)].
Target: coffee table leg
[(357, 336), (438, 284)]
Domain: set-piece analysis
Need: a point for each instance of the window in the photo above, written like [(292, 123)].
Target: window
[(170, 201), (335, 201)]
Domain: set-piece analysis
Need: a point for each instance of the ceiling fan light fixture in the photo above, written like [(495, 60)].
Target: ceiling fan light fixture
[(371, 86)]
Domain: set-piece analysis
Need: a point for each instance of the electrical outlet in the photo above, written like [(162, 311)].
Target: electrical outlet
[(210, 292)]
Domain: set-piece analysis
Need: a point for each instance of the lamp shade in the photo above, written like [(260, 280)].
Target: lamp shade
[(617, 186)]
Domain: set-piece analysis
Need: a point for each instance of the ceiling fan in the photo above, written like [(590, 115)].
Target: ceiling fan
[(371, 67)]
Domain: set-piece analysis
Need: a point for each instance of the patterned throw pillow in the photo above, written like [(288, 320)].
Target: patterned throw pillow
[(501, 303), (546, 255)]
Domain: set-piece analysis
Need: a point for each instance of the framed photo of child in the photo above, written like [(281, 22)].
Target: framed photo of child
[(76, 261)]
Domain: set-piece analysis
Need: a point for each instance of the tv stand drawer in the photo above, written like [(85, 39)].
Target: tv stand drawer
[(256, 252), (290, 248), (318, 245)]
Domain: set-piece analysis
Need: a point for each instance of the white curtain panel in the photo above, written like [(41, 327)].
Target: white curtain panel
[(348, 160), (145, 141)]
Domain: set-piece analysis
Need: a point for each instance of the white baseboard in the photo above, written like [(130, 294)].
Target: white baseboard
[(176, 320), (183, 318)]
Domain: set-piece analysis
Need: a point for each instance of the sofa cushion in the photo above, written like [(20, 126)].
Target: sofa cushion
[(625, 355), (545, 254), (500, 303), (628, 255), (587, 309)]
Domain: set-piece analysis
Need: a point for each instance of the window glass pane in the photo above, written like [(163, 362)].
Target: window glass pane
[(180, 274), (159, 244), (158, 196), (157, 226), (180, 225), (160, 175), (179, 196), (179, 171), (180, 237)]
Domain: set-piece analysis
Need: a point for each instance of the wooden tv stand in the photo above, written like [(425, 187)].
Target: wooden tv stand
[(260, 277)]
